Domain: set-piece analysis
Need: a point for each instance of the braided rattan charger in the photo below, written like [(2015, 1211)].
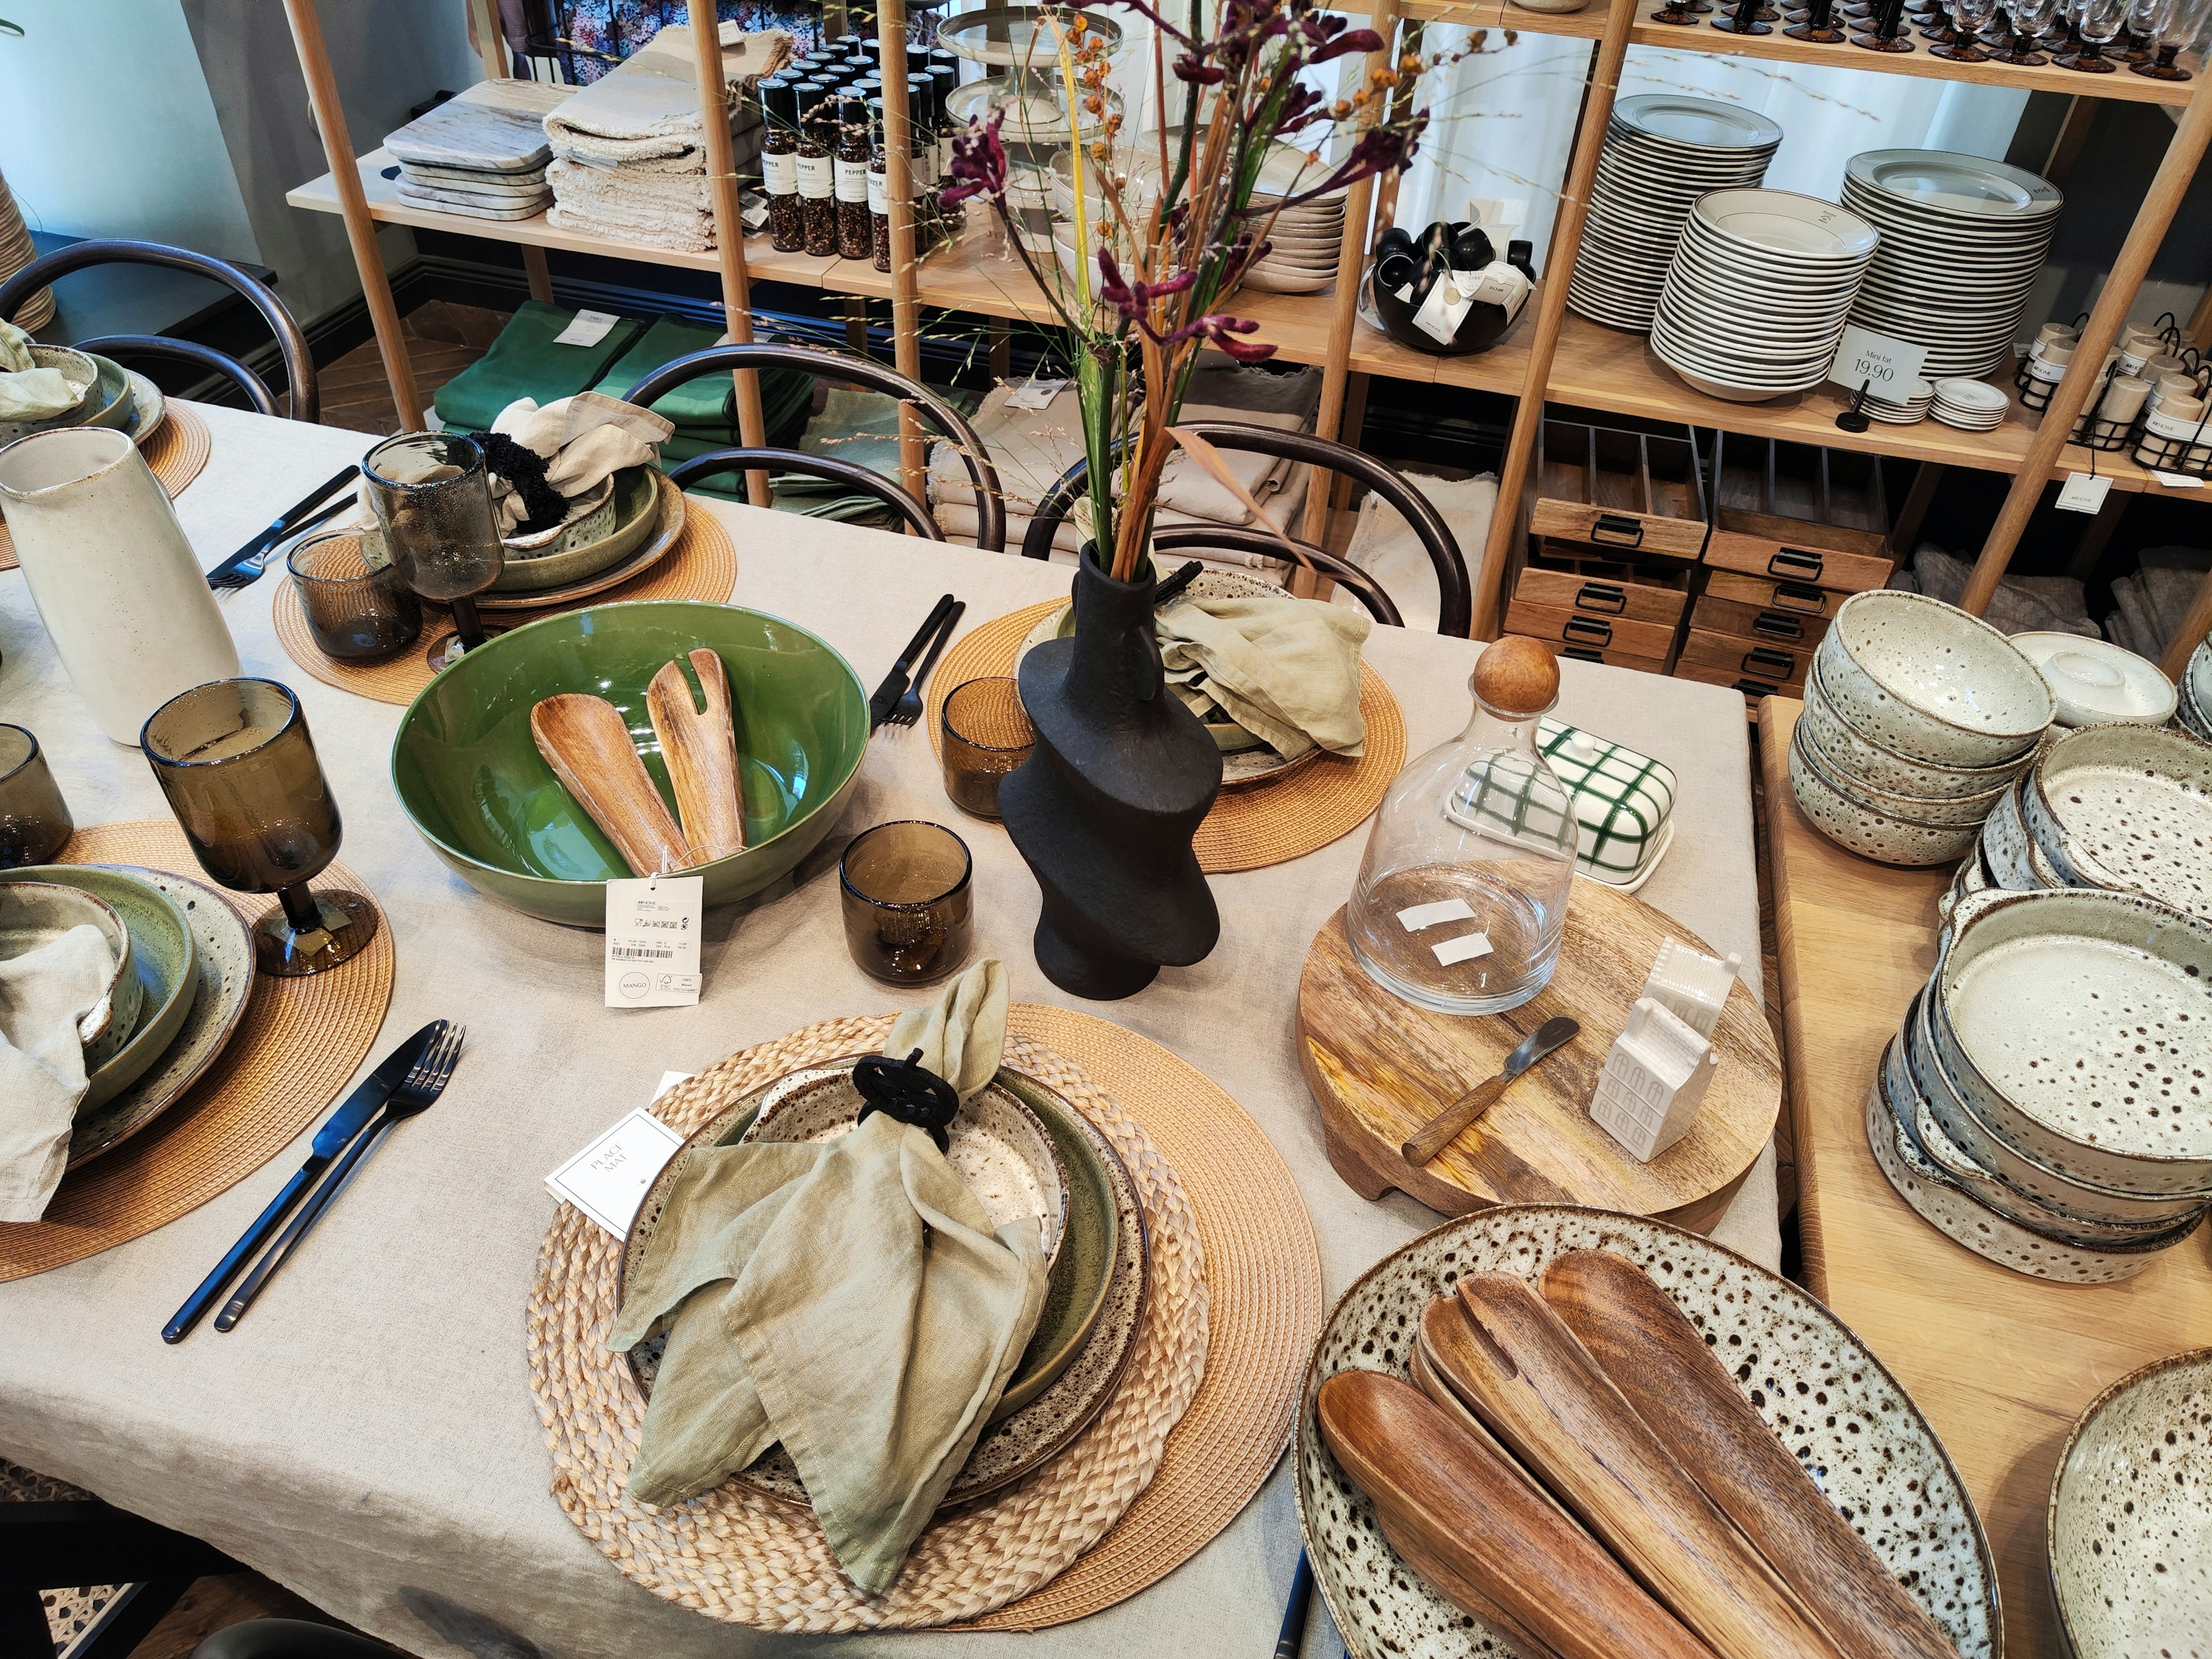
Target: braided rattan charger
[(703, 565), (176, 453), (1248, 829), (1235, 1306), (301, 1040)]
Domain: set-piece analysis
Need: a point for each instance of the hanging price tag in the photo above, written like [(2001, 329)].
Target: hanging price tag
[(1892, 365), (653, 941), (2084, 492), (588, 328)]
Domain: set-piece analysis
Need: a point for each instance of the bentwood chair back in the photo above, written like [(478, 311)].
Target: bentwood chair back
[(1455, 609), (990, 508), (299, 365), (815, 466)]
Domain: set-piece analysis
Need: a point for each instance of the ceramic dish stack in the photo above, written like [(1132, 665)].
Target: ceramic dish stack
[(2042, 1104), (108, 395), (1918, 719), (1963, 240), (2194, 693), (1305, 240), (1661, 152), (1757, 292), (1970, 405), (2095, 683), (1908, 408)]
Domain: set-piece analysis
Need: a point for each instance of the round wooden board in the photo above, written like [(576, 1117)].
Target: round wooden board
[(1380, 1067)]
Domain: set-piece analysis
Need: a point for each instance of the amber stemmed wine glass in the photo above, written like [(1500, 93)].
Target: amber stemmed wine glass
[(2096, 24), (235, 758), (1968, 19), (2030, 20), (433, 501), (2186, 25)]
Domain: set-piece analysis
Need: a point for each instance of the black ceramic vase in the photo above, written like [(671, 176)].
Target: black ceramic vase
[(1105, 808)]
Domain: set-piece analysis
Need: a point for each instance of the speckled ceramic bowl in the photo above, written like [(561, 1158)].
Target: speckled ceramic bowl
[(1812, 1382), (34, 914), (2128, 1530), (1880, 767), (2127, 807), (1964, 811), (1947, 1207), (1928, 680), (1858, 828), (2078, 1025), (2004, 845), (2095, 683)]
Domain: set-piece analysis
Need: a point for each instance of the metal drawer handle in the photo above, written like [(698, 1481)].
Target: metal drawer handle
[(1796, 596), (1789, 565), (1759, 659), (1614, 527), (1608, 597), (1581, 655), (1589, 631), (1776, 626), (1752, 688)]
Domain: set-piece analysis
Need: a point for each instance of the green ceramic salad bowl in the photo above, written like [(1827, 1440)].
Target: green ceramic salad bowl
[(470, 777)]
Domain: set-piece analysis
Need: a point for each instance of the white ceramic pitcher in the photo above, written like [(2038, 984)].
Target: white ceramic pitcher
[(116, 583)]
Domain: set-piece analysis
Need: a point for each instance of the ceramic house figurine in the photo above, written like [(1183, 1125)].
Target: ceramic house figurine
[(1654, 1081), (1691, 985)]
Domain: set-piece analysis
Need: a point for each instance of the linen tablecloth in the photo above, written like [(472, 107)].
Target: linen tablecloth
[(366, 1437)]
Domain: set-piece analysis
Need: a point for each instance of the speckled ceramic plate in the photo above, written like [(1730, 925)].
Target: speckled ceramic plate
[(1814, 1384), (1094, 1306), (149, 409), (667, 530), (223, 959), (2128, 807), (2129, 1526)]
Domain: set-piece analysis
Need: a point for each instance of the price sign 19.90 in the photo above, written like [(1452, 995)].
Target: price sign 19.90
[(1888, 367)]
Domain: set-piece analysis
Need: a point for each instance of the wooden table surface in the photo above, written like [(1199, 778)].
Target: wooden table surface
[(2000, 1363)]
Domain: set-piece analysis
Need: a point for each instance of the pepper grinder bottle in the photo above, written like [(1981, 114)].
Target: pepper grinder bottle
[(879, 201), (853, 240), (786, 221), (818, 172), (922, 166), (1462, 897), (943, 77)]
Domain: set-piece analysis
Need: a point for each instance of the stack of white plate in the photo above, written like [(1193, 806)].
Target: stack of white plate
[(1757, 292), (1962, 242), (1911, 405), (1661, 152), (1305, 239), (1970, 405)]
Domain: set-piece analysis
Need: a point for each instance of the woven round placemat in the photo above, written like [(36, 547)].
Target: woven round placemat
[(301, 1040), (1235, 1271), (176, 452), (702, 565), (1248, 829)]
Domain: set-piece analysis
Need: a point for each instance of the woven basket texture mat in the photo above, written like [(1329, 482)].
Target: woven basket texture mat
[(1248, 829), (1234, 1309), (176, 453), (703, 565), (300, 1041)]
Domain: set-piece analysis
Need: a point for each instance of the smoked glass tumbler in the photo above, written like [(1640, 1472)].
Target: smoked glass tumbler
[(34, 819)]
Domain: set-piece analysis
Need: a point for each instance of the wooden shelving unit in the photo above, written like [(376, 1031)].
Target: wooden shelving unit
[(1552, 356)]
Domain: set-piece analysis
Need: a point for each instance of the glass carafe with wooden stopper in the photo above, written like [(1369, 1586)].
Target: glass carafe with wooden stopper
[(1463, 896)]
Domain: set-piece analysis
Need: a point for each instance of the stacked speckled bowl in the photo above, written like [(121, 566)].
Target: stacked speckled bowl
[(1917, 720)]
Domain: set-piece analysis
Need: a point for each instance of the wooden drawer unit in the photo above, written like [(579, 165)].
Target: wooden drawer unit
[(1559, 577), (1766, 593), (1799, 513), (1624, 494), (1788, 628), (1746, 657), (1752, 688), (1590, 633), (1611, 658)]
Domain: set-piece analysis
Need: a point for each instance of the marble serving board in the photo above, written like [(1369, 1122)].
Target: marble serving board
[(496, 127)]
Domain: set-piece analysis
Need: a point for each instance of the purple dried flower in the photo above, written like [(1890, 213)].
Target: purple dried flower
[(1222, 331), (979, 163)]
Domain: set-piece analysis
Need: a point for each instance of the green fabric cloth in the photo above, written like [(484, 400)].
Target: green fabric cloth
[(523, 363), (1287, 669), (849, 1298), (705, 411)]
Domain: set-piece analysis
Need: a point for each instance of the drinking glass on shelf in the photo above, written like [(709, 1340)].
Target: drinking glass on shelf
[(2031, 19), (352, 611), (1967, 19), (239, 770), (2146, 23), (2187, 25), (2096, 25), (34, 819), (433, 503)]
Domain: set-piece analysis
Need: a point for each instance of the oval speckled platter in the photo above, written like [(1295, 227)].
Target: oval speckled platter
[(1808, 1377), (2130, 1526)]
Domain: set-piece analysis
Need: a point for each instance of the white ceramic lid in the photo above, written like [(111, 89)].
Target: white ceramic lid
[(2095, 683)]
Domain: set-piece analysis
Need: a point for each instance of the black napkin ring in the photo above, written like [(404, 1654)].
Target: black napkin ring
[(908, 1091)]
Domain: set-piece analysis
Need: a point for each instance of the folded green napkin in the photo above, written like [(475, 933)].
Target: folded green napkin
[(1284, 669), (849, 1298), (707, 401), (44, 994), (523, 363)]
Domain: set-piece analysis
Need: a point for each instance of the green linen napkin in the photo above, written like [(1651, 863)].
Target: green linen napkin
[(1284, 669), (708, 401), (44, 994), (523, 363), (849, 1298)]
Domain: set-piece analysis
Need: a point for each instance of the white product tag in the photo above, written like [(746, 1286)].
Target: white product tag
[(2191, 427), (1440, 313), (2178, 481), (1404, 293), (879, 195), (2084, 492), (607, 1180), (2132, 362), (1498, 284), (852, 181), (818, 177), (653, 941), (780, 174), (1416, 917), (1890, 364), (754, 212), (589, 328), (1034, 394), (1466, 948), (2042, 368)]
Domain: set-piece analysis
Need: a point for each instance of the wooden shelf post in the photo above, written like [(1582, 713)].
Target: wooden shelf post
[(729, 232), (2086, 370), (906, 287), (1550, 313), (353, 204)]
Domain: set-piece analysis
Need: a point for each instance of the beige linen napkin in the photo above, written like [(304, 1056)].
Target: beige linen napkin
[(849, 1298), (28, 392), (1285, 670), (43, 993), (586, 439)]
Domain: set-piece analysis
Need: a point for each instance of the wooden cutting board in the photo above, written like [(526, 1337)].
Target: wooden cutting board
[(1380, 1067)]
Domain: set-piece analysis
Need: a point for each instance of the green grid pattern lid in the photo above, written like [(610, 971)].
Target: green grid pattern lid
[(1623, 802)]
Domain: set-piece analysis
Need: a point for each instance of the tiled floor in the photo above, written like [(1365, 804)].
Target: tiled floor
[(442, 340)]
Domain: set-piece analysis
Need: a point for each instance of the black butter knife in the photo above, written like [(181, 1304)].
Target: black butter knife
[(895, 683), (281, 526), (337, 1134)]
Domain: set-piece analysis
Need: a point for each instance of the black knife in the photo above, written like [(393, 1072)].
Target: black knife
[(895, 683), (282, 524), (337, 1134)]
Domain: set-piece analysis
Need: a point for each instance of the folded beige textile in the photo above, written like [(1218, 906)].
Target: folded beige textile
[(43, 993), (1390, 549), (15, 348), (1287, 669), (35, 394), (670, 210), (644, 113), (849, 1298), (2021, 605), (586, 439)]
